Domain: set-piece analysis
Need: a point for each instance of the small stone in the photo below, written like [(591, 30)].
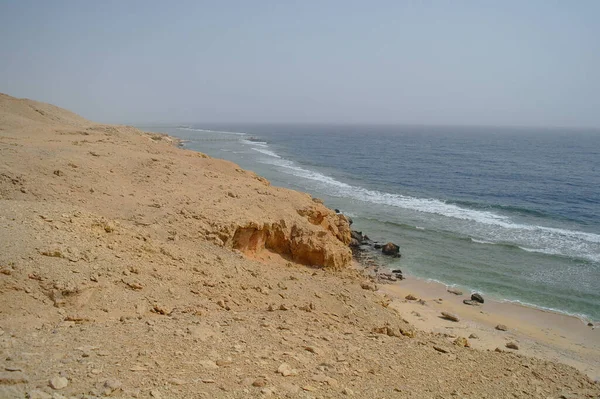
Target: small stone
[(471, 302), (259, 383), (512, 345), (410, 297), (286, 370), (474, 336), (177, 381), (455, 291), (462, 342), (162, 310), (283, 307), (347, 391), (59, 383), (368, 285), (450, 316), (441, 349), (477, 297), (309, 388), (590, 324), (501, 327), (155, 393)]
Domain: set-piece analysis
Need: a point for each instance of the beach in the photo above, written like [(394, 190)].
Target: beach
[(538, 333), (130, 267)]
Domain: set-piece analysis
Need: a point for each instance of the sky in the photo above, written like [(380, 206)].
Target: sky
[(523, 63)]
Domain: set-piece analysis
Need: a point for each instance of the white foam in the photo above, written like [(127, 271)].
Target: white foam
[(500, 228), (255, 143), (481, 241), (266, 152)]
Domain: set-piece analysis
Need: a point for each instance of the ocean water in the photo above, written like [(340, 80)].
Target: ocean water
[(513, 213)]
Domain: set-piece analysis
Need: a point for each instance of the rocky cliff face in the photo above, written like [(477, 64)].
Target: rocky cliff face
[(124, 174)]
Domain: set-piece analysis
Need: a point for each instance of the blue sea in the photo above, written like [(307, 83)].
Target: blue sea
[(513, 213)]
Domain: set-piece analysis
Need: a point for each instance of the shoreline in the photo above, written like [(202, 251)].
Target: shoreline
[(538, 333), (546, 334), (120, 278), (541, 333)]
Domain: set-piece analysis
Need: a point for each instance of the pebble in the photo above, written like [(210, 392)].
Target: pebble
[(474, 336), (410, 297), (367, 285), (501, 327), (477, 297), (471, 302), (58, 383), (512, 345), (450, 316), (155, 394), (440, 349), (259, 383), (348, 391), (462, 341), (286, 370), (455, 291)]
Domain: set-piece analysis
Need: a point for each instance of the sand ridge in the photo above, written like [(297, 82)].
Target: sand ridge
[(133, 268)]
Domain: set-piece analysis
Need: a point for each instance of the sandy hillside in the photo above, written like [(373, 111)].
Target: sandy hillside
[(132, 268)]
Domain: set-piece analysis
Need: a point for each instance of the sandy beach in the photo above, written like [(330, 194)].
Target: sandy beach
[(537, 333), (130, 267)]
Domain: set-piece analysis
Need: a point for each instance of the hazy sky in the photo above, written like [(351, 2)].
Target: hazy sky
[(424, 62)]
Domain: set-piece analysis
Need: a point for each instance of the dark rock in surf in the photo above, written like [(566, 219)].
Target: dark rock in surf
[(477, 297), (391, 249), (357, 235), (377, 246), (397, 271), (354, 243), (337, 210)]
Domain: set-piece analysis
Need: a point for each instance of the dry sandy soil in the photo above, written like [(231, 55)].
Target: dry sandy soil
[(132, 268)]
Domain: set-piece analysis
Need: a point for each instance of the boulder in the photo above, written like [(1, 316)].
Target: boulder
[(391, 249), (450, 316), (477, 297), (512, 345), (357, 235)]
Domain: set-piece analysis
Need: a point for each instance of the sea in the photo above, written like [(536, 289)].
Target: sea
[(512, 213)]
